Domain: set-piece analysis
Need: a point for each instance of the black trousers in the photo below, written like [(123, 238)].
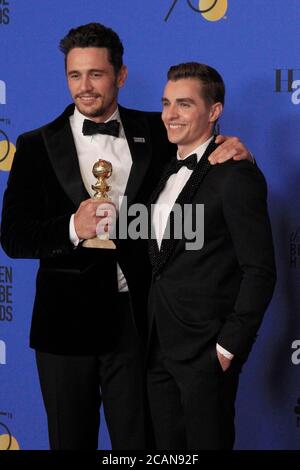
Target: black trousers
[(191, 401), (73, 388)]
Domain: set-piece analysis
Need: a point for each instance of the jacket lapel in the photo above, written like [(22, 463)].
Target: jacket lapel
[(159, 257), (61, 149), (138, 137)]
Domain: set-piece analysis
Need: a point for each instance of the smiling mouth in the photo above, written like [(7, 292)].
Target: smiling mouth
[(175, 126), (87, 98)]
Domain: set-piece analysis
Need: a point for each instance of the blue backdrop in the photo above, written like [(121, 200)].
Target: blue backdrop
[(255, 46)]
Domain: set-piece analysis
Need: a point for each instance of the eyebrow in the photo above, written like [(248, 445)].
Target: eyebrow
[(89, 71), (179, 100)]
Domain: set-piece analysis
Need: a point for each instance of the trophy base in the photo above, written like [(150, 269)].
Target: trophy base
[(97, 243)]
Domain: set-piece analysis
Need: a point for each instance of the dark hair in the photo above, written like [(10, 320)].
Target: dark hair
[(95, 35), (213, 87)]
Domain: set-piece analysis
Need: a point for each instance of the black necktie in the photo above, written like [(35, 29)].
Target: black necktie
[(109, 128), (190, 162)]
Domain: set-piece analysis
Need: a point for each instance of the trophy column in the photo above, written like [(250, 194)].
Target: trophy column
[(102, 170)]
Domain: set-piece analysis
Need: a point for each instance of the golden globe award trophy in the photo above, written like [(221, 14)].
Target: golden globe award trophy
[(102, 170)]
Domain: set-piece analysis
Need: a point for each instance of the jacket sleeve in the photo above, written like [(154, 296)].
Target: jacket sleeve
[(245, 210), (27, 229)]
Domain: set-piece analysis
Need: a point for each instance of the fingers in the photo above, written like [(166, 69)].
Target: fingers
[(90, 214), (229, 148), (107, 213), (105, 225), (220, 139), (224, 361), (105, 209), (92, 208), (85, 203)]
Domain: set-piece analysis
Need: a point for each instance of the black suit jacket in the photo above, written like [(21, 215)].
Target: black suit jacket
[(218, 293), (74, 309)]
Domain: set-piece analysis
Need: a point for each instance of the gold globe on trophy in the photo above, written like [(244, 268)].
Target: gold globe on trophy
[(102, 170)]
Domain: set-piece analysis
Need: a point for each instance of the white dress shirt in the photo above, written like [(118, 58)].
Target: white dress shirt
[(91, 148), (170, 193), (167, 199)]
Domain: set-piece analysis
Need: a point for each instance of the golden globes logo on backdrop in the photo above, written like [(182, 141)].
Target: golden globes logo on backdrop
[(4, 12), (7, 440), (211, 10), (6, 294), (7, 148)]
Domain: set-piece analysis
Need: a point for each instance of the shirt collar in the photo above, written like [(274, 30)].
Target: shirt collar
[(200, 150)]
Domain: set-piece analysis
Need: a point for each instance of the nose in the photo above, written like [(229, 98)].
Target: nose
[(85, 84), (171, 112)]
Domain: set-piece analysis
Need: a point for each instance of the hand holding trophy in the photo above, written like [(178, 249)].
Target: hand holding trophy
[(102, 170)]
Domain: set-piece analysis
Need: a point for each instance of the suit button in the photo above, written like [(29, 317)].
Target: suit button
[(157, 278)]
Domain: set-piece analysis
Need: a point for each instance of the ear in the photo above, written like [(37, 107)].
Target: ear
[(122, 75), (215, 112)]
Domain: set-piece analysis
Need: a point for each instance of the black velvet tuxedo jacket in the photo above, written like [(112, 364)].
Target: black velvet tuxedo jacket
[(74, 309), (220, 292)]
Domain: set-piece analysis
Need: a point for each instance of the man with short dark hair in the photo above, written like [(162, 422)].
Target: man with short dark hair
[(207, 301), (89, 303)]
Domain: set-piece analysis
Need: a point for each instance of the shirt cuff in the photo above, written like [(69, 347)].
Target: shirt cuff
[(72, 232), (224, 352)]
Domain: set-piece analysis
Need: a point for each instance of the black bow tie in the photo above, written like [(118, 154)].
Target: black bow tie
[(190, 162), (109, 128)]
